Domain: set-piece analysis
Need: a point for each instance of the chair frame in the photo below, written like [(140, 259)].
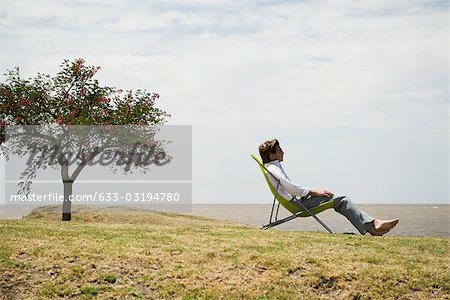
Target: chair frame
[(273, 220)]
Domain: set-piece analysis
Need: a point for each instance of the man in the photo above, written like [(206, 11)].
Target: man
[(272, 155)]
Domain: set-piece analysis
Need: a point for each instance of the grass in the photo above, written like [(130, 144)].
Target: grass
[(143, 255)]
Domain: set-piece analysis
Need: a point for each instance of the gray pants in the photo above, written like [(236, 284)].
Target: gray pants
[(343, 205)]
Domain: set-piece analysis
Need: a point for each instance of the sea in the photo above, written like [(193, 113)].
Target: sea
[(415, 219)]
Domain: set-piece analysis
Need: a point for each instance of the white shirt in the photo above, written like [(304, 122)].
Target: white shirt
[(287, 188)]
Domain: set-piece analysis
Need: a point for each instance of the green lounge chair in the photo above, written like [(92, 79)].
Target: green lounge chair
[(297, 208)]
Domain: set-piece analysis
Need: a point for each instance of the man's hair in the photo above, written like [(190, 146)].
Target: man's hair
[(266, 148)]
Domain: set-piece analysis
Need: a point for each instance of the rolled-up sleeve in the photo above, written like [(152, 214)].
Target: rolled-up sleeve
[(290, 187)]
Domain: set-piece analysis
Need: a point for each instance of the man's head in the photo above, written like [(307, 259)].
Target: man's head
[(270, 150)]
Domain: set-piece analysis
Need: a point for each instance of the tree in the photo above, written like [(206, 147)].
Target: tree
[(71, 98)]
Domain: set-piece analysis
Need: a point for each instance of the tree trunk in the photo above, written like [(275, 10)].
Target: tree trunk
[(68, 182), (67, 204)]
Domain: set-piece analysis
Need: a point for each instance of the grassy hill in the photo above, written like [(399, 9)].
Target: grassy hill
[(116, 254)]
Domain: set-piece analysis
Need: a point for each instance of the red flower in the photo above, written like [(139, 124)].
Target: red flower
[(64, 78), (25, 102), (80, 61), (59, 120), (104, 100), (18, 119)]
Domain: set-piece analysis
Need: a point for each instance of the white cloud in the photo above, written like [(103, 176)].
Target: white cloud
[(243, 71)]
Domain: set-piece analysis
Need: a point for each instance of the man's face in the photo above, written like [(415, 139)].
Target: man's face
[(278, 154)]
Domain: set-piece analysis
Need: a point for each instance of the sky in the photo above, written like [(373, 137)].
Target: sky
[(355, 91)]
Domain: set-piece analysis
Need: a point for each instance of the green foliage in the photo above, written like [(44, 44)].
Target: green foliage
[(110, 278), (89, 290), (73, 97)]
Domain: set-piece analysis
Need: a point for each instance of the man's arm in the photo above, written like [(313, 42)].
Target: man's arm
[(321, 193), (289, 186), (295, 189)]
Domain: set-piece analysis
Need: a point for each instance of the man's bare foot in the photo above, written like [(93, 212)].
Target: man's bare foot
[(383, 225), (372, 231)]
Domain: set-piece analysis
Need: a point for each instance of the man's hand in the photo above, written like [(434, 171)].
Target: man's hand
[(328, 193), (322, 193)]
